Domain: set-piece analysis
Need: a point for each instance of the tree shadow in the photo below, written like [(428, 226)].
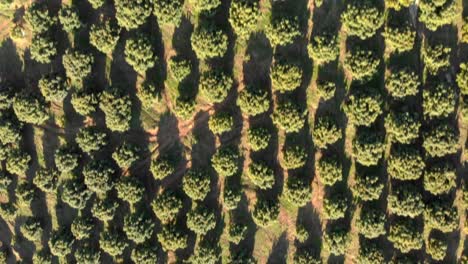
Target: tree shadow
[(279, 252)]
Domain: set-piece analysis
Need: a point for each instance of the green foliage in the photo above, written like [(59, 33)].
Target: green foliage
[(232, 195), (5, 182), (75, 194), (171, 238), (398, 4), (68, 17), (131, 14), (370, 253), (184, 108), (82, 227), (324, 48), (180, 68), (253, 101), (405, 200), (87, 255), (145, 254), (368, 147), (17, 162), (113, 242), (335, 241), (46, 180), (440, 179), (130, 189), (305, 257), (226, 161), (265, 212), (207, 6), (405, 163), (139, 53), (168, 11), (361, 64), (399, 39), (29, 109), (285, 77), (326, 89), (39, 18), (98, 176), (289, 117), (258, 138), (196, 184), (206, 254), (91, 139), (335, 206), (162, 167), (362, 19), (403, 127), (282, 31), (326, 132), (435, 14), (221, 122), (209, 42), (214, 86), (237, 232), (166, 206), (32, 229), (96, 4), (104, 36), (294, 157), (10, 128), (66, 158), (61, 243), (441, 215), (330, 170), (363, 107), (464, 31), (201, 220), (43, 48), (301, 233), (462, 78), (402, 83), (367, 186), (77, 64), (441, 140), (439, 101), (405, 236), (436, 57), (138, 227), (297, 191), (104, 209), (53, 88), (84, 102), (8, 211), (371, 223), (261, 175), (243, 17), (26, 193), (437, 248), (126, 154), (149, 95), (6, 96), (42, 257)]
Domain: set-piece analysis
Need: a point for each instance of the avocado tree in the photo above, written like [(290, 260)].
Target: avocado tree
[(330, 170), (285, 77), (336, 240), (85, 102), (367, 186), (282, 31), (201, 220), (403, 127), (61, 243), (96, 4), (371, 223), (405, 236), (289, 117), (261, 175), (265, 212), (370, 252), (82, 227), (439, 101), (326, 132), (180, 68), (368, 147), (196, 184), (168, 11), (304, 256), (253, 101), (138, 226), (462, 78), (237, 232), (293, 157), (435, 14), (25, 193), (297, 191), (441, 140), (39, 18), (130, 190), (171, 238), (166, 206), (402, 83), (361, 64), (46, 180), (405, 163), (98, 176), (131, 14), (10, 128), (104, 36), (162, 167), (399, 39), (363, 107), (214, 86), (91, 139), (441, 215), (5, 183), (78, 65), (436, 57), (53, 88), (117, 107), (43, 48), (145, 253), (32, 229), (324, 48), (362, 18), (206, 253), (258, 138), (335, 206), (87, 254), (437, 248), (406, 200), (226, 161), (139, 53), (66, 158), (209, 42), (184, 108), (126, 154), (149, 95), (243, 17), (440, 178), (221, 123), (113, 242), (204, 6), (104, 209), (30, 109), (75, 194), (17, 162), (69, 18)]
